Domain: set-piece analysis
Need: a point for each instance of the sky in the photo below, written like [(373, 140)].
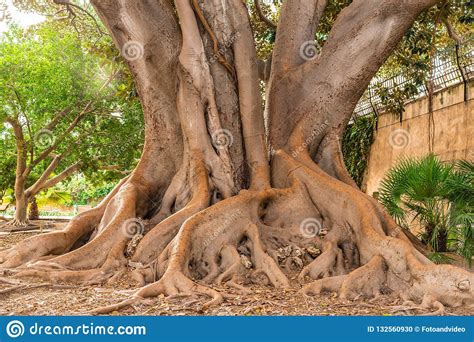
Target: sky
[(21, 18)]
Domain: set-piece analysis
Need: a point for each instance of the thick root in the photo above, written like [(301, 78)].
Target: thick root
[(59, 242), (53, 243), (16, 223), (169, 285), (331, 284), (426, 305), (390, 263), (237, 241), (326, 264), (367, 281)]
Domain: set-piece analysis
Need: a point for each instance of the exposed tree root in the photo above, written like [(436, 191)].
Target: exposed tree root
[(15, 223), (426, 305), (35, 286), (236, 241), (331, 284), (58, 242), (181, 223), (211, 244)]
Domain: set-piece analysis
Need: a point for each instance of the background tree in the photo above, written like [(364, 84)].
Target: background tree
[(206, 194), (60, 102)]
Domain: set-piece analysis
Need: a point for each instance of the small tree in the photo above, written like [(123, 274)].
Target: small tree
[(56, 101), (436, 194)]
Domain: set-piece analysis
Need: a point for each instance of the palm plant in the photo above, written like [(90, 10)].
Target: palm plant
[(438, 195)]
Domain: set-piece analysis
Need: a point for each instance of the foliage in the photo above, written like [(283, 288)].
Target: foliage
[(356, 143), (82, 190), (439, 258), (413, 59), (7, 166), (49, 69), (438, 195)]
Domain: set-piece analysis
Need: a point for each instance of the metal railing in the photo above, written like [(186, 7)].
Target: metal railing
[(454, 65)]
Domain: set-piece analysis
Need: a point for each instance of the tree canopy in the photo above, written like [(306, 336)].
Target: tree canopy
[(65, 106)]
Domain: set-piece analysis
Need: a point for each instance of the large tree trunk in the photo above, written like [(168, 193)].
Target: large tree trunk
[(207, 203)]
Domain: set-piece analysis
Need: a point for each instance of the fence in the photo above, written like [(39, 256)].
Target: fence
[(451, 66)]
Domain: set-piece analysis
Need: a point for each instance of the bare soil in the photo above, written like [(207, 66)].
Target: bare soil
[(38, 298)]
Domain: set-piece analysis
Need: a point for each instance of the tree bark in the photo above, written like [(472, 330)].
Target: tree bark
[(21, 200), (33, 213), (207, 203), (21, 209)]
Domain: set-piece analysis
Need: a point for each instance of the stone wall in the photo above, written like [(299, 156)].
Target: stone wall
[(452, 133)]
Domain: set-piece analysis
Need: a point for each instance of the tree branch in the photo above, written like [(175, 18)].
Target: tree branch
[(35, 188), (54, 122), (297, 25), (250, 100), (28, 125), (361, 39), (53, 146), (58, 178), (74, 123), (262, 15), (452, 32), (69, 5), (220, 58)]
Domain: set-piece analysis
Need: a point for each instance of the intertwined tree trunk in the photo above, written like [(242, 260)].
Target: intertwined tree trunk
[(207, 203)]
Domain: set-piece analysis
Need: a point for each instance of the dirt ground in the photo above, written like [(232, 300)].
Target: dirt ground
[(37, 298)]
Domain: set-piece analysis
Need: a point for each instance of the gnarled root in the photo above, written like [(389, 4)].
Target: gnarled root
[(108, 228), (389, 263), (331, 284), (237, 241), (366, 281), (58, 242), (207, 249), (15, 223), (427, 303), (171, 284)]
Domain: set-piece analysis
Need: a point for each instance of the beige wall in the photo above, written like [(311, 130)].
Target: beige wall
[(453, 136)]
